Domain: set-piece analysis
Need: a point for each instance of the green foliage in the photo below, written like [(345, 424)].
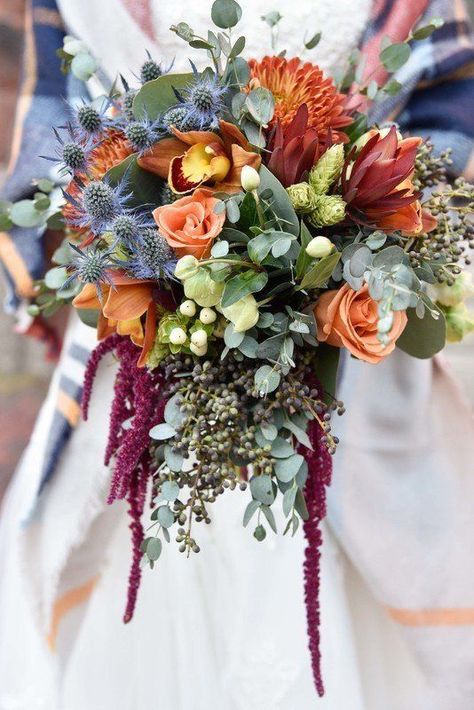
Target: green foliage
[(423, 337), (157, 96)]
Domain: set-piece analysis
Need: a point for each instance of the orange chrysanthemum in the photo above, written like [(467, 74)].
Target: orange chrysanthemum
[(109, 152), (293, 83)]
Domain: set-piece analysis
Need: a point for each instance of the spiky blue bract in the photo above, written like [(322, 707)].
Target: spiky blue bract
[(204, 101), (90, 267), (152, 257), (99, 204)]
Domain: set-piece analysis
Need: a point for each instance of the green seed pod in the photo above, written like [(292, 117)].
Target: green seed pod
[(330, 209), (327, 170), (302, 197)]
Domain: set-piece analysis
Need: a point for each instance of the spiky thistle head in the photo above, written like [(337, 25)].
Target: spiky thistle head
[(153, 257), (90, 267), (89, 119), (127, 104), (150, 70), (98, 204), (126, 228), (204, 100), (74, 156), (71, 153), (142, 134), (178, 116)]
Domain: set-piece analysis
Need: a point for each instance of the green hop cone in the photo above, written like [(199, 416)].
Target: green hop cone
[(459, 323), (302, 197), (327, 170), (330, 209)]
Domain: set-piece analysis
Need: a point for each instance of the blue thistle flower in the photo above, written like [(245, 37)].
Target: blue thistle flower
[(142, 134), (72, 156), (204, 101), (99, 204), (152, 70), (126, 228), (152, 257), (90, 267)]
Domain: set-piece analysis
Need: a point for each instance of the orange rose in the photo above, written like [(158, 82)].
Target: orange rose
[(190, 224), (348, 318)]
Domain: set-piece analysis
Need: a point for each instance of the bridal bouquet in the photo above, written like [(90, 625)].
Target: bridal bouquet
[(229, 232)]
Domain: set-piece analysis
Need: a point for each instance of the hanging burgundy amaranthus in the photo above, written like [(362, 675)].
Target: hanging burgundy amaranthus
[(138, 397)]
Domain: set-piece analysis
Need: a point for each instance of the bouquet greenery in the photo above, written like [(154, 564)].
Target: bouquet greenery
[(229, 231)]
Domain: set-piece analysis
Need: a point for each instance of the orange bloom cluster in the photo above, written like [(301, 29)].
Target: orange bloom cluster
[(294, 83)]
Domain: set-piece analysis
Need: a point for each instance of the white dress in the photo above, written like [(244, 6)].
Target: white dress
[(224, 630)]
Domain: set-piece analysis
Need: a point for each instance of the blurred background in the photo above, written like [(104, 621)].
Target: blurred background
[(24, 372)]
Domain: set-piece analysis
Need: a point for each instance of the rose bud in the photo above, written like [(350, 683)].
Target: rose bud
[(319, 247), (249, 178)]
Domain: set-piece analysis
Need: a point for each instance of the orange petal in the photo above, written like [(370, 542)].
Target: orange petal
[(232, 135), (133, 328), (128, 302), (192, 137), (157, 159), (87, 298), (105, 327)]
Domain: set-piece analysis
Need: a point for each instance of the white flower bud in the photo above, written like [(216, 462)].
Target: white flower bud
[(207, 316), (249, 178), (178, 336), (319, 247), (73, 46), (199, 338), (188, 308), (197, 350)]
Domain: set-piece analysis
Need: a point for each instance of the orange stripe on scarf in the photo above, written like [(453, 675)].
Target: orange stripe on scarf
[(64, 604), (69, 408), (432, 617), (15, 266)]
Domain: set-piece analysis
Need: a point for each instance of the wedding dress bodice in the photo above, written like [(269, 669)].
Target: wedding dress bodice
[(119, 31)]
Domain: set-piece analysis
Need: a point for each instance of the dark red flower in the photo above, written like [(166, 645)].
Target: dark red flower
[(377, 183), (294, 148)]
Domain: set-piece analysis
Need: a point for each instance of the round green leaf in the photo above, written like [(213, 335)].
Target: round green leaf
[(169, 490), (55, 278), (165, 516), (261, 488), (395, 56), (153, 548), (226, 13), (24, 214), (423, 337)]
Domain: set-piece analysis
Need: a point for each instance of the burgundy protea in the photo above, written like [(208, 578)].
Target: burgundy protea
[(295, 148), (377, 184)]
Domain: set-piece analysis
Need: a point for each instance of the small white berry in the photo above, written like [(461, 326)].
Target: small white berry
[(197, 350), (207, 316), (178, 336), (188, 308), (199, 338)]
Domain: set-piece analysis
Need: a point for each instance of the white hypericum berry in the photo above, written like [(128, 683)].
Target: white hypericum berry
[(188, 308), (207, 316), (249, 178), (199, 338), (178, 336), (319, 247), (199, 351)]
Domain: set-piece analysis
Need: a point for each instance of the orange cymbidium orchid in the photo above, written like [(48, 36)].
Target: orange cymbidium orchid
[(377, 184), (189, 160), (122, 308)]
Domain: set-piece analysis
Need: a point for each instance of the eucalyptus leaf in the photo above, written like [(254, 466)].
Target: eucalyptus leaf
[(261, 488), (289, 500), (266, 379), (250, 511), (281, 448), (280, 202), (169, 490), (268, 513), (423, 337), (286, 469), (226, 13), (165, 516), (260, 104), (162, 432), (153, 548), (231, 338), (242, 285), (395, 56), (220, 249)]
